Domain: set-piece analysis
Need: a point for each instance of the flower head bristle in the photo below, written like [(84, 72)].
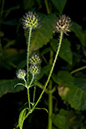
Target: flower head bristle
[(63, 24), (34, 69), (35, 59), (30, 20)]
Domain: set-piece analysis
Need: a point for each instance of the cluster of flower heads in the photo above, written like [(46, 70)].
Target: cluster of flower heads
[(34, 67), (34, 61), (62, 24)]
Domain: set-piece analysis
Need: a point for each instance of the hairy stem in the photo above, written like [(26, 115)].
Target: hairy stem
[(57, 53), (50, 100), (28, 46)]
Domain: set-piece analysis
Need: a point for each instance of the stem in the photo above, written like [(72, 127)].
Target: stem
[(47, 7), (34, 94), (79, 69), (28, 94), (57, 53), (50, 100)]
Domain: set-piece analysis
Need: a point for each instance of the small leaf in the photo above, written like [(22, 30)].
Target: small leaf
[(59, 4), (22, 117)]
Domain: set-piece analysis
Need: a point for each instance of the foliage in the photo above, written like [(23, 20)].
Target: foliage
[(69, 78)]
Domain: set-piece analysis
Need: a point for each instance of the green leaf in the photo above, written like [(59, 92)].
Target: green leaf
[(43, 35), (64, 78), (60, 120), (77, 29), (59, 4), (22, 117), (65, 51), (7, 86), (72, 90), (28, 4)]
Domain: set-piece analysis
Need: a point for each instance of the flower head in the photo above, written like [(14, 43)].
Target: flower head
[(30, 20), (34, 69), (21, 73), (63, 24), (35, 59)]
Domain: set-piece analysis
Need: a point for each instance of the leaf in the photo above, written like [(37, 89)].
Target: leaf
[(7, 86), (72, 90), (77, 29), (60, 120), (27, 4), (22, 117), (65, 51), (59, 4), (43, 35), (64, 78)]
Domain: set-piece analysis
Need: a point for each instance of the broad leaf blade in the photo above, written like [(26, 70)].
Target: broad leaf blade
[(43, 35), (7, 86)]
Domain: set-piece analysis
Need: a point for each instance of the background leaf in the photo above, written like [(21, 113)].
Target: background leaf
[(43, 35), (65, 51), (77, 29), (59, 4), (7, 86)]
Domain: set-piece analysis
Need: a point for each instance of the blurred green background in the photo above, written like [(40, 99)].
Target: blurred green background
[(69, 77)]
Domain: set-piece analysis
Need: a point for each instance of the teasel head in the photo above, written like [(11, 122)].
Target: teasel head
[(63, 24), (21, 73), (30, 20), (35, 59), (34, 69)]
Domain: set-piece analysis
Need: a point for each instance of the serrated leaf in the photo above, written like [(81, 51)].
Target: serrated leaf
[(7, 86), (59, 4), (43, 35), (77, 29), (74, 91), (64, 78)]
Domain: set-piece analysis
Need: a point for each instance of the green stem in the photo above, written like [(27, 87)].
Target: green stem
[(57, 53), (79, 69), (50, 105), (50, 100), (34, 94), (28, 46), (47, 7)]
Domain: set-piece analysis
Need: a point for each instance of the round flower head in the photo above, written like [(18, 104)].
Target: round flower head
[(34, 69), (35, 59), (30, 20), (21, 73), (63, 24)]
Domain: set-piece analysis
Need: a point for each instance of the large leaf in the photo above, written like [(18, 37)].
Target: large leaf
[(59, 4), (43, 35), (7, 86), (77, 29), (74, 91), (65, 51)]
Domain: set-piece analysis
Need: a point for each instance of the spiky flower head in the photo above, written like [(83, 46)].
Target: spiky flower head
[(63, 24), (30, 20), (21, 73), (35, 59), (34, 69)]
